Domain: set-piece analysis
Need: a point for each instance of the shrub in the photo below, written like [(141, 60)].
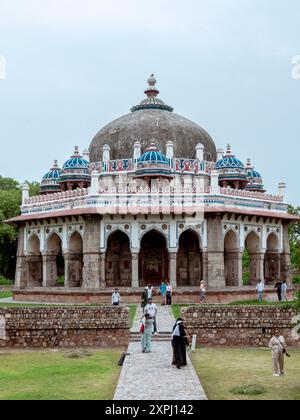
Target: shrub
[(248, 390), (61, 281), (5, 282), (296, 279)]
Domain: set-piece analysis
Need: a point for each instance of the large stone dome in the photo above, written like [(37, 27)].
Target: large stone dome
[(152, 121)]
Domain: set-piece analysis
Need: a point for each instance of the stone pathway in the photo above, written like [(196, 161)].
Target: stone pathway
[(152, 376)]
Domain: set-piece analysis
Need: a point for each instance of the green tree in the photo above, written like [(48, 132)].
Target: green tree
[(294, 236)]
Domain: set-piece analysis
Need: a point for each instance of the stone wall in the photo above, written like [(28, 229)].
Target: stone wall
[(64, 327), (181, 295), (238, 326)]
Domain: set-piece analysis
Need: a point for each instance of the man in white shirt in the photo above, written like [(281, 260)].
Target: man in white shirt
[(150, 291), (278, 346), (151, 309), (116, 298), (260, 289)]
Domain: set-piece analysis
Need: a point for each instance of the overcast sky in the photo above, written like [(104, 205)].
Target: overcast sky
[(75, 65)]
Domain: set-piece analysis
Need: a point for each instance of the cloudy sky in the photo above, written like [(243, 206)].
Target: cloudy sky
[(72, 66)]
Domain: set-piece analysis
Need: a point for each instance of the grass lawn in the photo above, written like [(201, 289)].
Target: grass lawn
[(5, 295), (49, 375), (132, 312), (177, 310), (220, 370)]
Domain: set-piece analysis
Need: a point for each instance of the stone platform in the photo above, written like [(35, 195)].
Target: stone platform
[(133, 296)]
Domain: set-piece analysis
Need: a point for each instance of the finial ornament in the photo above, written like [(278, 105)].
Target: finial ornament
[(152, 101)]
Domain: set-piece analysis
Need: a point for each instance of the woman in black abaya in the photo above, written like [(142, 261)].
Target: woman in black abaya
[(179, 344)]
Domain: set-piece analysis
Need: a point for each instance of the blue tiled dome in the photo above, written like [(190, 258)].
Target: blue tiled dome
[(153, 163), (76, 170), (152, 155), (50, 181), (76, 162), (255, 181), (53, 174), (230, 161)]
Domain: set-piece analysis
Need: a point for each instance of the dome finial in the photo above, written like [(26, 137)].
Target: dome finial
[(152, 91), (228, 151), (152, 101)]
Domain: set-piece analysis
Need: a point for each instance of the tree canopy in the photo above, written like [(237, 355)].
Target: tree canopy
[(10, 201)]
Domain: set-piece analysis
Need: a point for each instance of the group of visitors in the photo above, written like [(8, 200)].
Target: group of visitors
[(180, 340), (281, 287), (165, 291)]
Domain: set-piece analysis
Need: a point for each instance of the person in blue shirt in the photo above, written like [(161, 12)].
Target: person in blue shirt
[(163, 292)]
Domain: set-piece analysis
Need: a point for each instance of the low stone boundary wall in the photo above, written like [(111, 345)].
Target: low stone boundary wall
[(6, 288), (64, 327), (239, 326), (181, 295)]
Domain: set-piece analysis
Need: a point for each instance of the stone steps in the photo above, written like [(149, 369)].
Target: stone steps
[(161, 337)]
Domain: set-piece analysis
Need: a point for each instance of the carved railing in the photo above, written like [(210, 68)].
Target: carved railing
[(251, 194), (61, 196)]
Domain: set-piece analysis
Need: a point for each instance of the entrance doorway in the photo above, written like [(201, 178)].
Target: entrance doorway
[(154, 259)]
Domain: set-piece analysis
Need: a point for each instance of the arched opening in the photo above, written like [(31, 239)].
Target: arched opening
[(154, 259), (256, 258), (34, 262), (272, 259), (118, 262), (55, 262), (232, 259), (74, 261), (189, 261)]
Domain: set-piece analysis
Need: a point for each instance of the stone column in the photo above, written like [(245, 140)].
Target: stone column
[(49, 270), (102, 270), (135, 269), (73, 270), (215, 252), (257, 261), (21, 267), (205, 265), (91, 254), (286, 257), (234, 268), (173, 268), (34, 270)]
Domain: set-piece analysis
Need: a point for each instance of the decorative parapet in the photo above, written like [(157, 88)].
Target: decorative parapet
[(250, 194), (61, 196), (177, 165)]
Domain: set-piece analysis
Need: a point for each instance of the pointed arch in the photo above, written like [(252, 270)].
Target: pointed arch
[(154, 258), (232, 259), (272, 262), (34, 262), (56, 263), (189, 259), (118, 260)]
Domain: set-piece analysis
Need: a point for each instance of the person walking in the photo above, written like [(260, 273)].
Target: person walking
[(202, 292), (116, 298), (260, 290), (144, 298), (151, 310), (278, 287), (150, 291), (278, 346), (169, 293), (284, 289), (146, 330), (179, 344), (163, 292)]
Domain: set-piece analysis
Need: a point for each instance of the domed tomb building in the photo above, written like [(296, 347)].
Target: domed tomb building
[(151, 200)]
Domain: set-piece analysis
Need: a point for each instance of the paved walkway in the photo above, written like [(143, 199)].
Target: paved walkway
[(152, 376)]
